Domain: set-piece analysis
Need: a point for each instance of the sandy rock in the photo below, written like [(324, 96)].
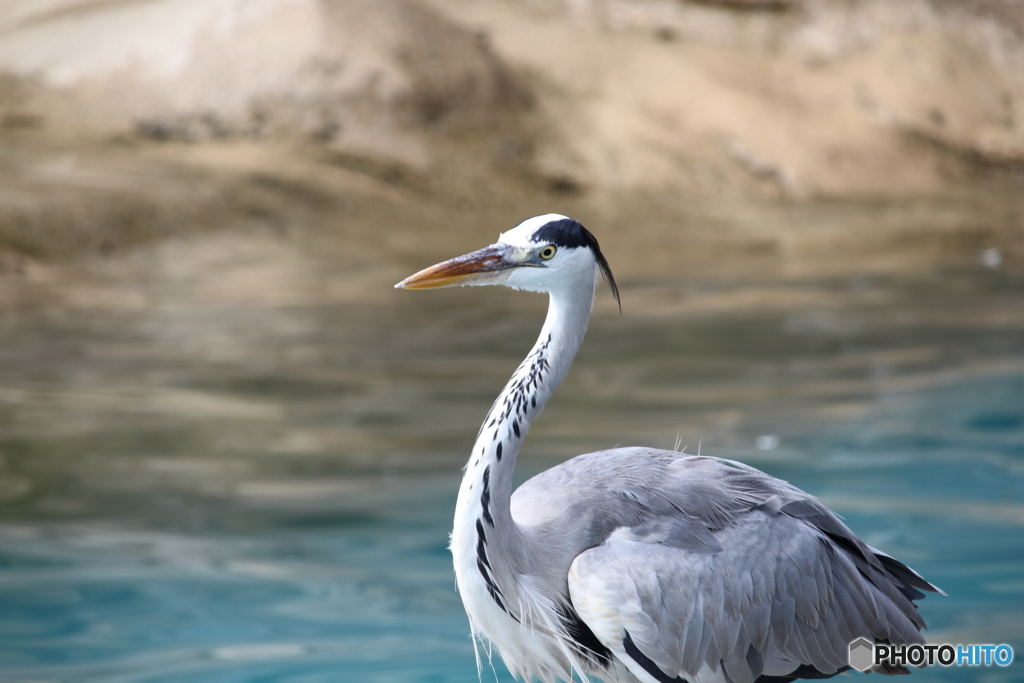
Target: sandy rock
[(356, 71), (598, 98), (810, 98)]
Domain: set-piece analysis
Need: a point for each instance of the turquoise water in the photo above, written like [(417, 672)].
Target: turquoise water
[(296, 530)]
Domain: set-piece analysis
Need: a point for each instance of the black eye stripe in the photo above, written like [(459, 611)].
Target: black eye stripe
[(569, 234)]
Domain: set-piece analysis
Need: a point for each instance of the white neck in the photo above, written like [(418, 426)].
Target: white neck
[(487, 545)]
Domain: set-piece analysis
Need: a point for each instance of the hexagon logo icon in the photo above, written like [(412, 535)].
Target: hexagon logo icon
[(862, 654)]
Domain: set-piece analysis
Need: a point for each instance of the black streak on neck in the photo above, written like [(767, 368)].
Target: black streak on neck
[(484, 565), (485, 497)]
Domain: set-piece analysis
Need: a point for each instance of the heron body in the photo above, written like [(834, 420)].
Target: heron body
[(637, 564)]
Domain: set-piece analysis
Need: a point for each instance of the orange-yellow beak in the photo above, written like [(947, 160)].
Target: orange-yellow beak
[(483, 267)]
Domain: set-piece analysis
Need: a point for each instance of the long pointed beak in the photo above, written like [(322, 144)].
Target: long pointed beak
[(482, 267)]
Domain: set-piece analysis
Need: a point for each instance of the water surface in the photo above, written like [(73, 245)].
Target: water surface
[(223, 490)]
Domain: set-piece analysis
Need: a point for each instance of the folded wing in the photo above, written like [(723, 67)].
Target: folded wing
[(779, 589)]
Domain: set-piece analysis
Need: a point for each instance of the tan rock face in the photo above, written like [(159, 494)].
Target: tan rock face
[(808, 99), (812, 98), (357, 70), (124, 121)]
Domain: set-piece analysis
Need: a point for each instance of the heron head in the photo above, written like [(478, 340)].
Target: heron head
[(541, 254)]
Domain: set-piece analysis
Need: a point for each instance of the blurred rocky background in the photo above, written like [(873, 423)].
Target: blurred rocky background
[(126, 122)]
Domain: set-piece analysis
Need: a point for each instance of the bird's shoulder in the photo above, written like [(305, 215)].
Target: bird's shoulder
[(632, 485)]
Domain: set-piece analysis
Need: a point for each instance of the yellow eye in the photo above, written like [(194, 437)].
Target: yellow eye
[(547, 252)]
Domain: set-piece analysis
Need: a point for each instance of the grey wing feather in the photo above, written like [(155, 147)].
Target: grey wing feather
[(742, 572)]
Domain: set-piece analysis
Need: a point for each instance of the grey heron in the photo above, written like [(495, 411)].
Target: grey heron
[(637, 564)]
